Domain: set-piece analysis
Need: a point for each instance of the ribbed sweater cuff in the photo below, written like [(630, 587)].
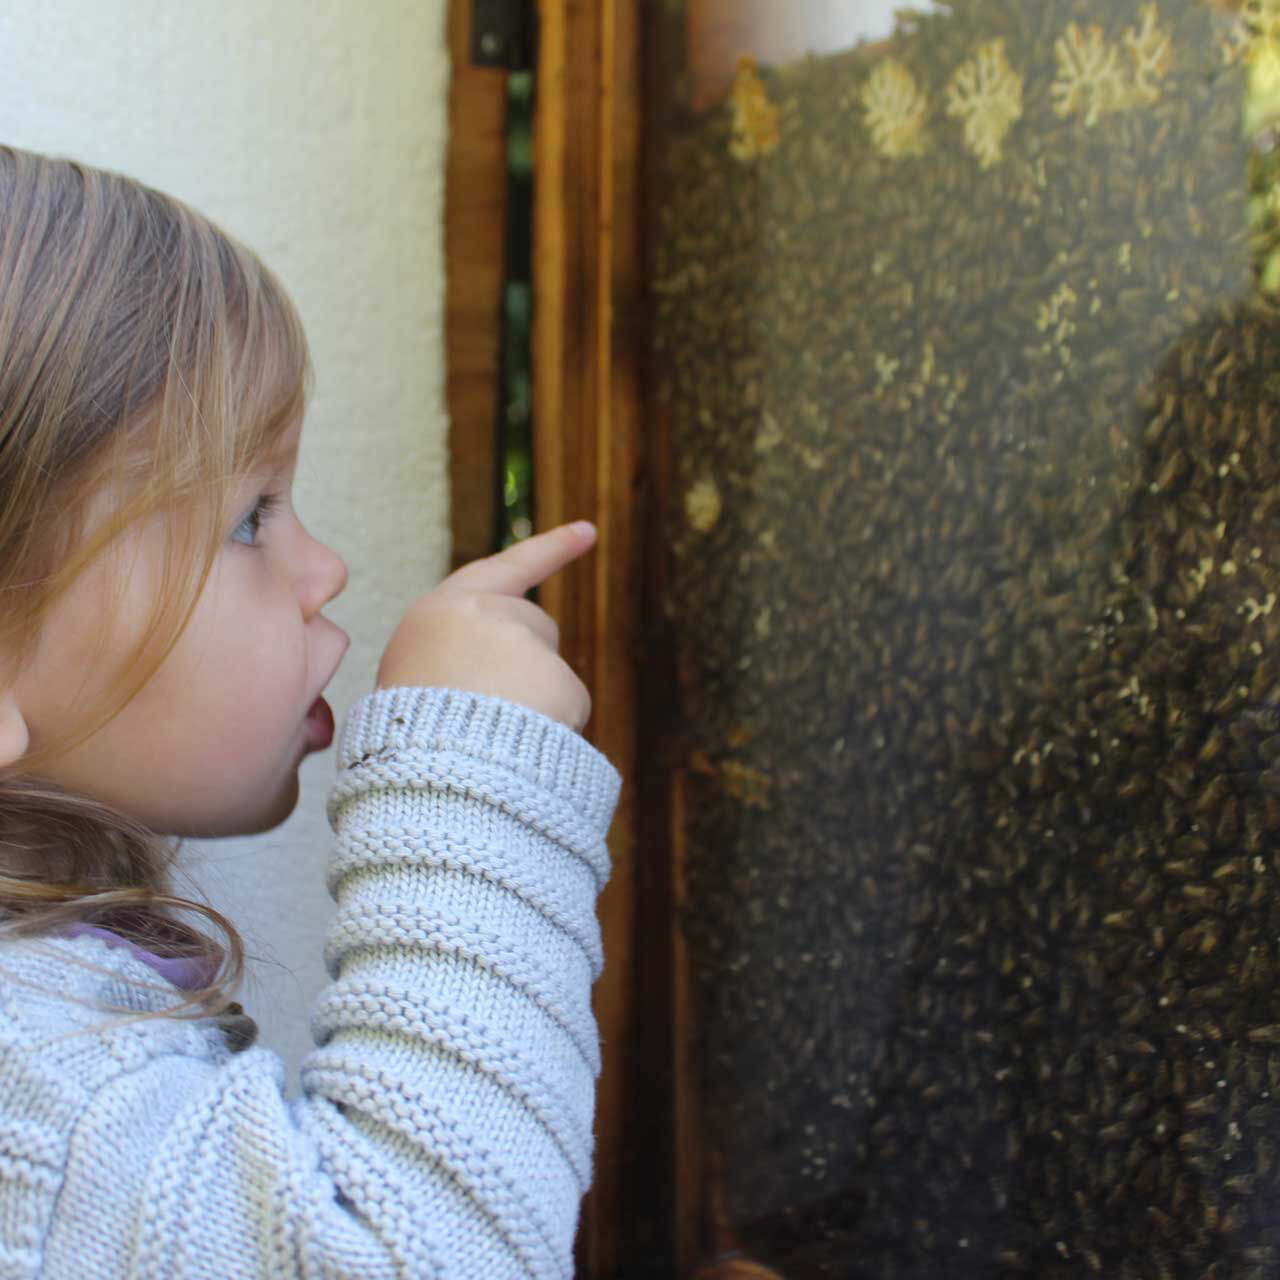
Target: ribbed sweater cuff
[(533, 746)]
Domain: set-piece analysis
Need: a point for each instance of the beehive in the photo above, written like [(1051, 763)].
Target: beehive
[(974, 384)]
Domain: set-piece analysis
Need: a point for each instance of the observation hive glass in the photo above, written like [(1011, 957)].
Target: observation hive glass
[(966, 341)]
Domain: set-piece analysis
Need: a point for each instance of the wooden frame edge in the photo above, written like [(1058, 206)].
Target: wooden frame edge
[(587, 420)]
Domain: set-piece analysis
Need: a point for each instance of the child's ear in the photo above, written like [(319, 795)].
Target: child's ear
[(15, 737)]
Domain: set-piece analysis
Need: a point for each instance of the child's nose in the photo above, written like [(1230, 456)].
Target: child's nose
[(326, 576), (337, 576)]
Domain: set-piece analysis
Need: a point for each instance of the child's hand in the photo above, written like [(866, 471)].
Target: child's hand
[(477, 632)]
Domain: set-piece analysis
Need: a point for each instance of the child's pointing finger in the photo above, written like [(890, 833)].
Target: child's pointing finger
[(526, 564), (476, 632)]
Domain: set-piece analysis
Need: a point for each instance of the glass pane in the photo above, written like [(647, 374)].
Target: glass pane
[(516, 421), (965, 344)]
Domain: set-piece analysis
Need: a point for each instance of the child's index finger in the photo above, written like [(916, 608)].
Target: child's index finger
[(526, 564)]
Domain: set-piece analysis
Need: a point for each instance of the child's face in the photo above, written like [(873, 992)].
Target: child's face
[(212, 744)]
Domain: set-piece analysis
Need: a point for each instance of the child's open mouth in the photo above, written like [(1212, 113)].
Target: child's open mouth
[(320, 724)]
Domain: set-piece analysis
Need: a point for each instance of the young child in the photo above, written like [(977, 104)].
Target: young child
[(163, 649)]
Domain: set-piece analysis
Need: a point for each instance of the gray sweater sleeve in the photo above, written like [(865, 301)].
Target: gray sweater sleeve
[(459, 1032), (444, 1127)]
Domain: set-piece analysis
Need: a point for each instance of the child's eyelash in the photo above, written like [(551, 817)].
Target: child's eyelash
[(254, 521)]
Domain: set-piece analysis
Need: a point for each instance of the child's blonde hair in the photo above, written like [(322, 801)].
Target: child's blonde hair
[(145, 355)]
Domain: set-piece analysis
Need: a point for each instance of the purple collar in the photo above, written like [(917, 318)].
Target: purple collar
[(185, 972)]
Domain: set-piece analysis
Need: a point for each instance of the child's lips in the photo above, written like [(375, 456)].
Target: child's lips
[(320, 724), (319, 718)]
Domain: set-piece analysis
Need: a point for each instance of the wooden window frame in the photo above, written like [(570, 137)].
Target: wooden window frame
[(588, 346), (588, 350)]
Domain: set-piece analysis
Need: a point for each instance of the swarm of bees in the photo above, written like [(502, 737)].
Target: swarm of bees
[(980, 671)]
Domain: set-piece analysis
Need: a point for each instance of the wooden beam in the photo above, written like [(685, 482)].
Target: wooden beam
[(587, 417)]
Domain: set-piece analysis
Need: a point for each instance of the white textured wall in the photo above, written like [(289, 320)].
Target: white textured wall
[(314, 131)]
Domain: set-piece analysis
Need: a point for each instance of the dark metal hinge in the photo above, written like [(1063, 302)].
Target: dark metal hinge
[(502, 34)]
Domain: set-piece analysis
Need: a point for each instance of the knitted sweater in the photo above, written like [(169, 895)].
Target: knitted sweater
[(444, 1127)]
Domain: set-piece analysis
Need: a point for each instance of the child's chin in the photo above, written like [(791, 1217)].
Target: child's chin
[(250, 821), (285, 804)]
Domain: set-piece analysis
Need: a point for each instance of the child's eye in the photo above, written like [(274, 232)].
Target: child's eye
[(254, 521)]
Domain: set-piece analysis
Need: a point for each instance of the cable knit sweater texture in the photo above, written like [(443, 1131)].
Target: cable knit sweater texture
[(444, 1127)]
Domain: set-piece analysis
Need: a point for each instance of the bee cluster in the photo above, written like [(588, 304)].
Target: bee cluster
[(975, 570)]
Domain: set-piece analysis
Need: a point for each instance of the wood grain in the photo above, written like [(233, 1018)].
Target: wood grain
[(587, 417)]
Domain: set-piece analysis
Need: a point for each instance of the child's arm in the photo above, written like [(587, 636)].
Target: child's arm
[(445, 1127)]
